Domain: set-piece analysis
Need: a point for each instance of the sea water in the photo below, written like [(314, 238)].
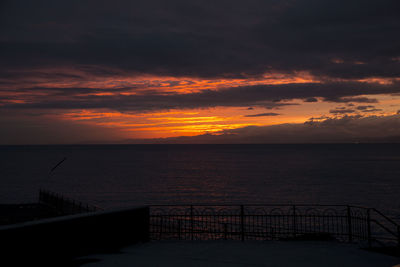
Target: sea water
[(114, 176)]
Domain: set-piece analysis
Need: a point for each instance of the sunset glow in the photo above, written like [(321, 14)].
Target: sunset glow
[(159, 75)]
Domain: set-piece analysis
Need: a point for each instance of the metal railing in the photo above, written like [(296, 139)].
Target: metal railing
[(64, 205), (269, 222)]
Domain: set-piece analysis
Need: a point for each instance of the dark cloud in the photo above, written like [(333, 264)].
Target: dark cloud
[(38, 129), (368, 108), (329, 38), (263, 114), (66, 91), (348, 129), (352, 99), (372, 110), (312, 119), (341, 111), (266, 96), (311, 99), (365, 107)]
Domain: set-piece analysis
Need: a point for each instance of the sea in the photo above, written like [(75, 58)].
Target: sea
[(115, 176)]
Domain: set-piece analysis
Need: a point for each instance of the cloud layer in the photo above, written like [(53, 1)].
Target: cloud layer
[(285, 60), (349, 129), (341, 39), (267, 96)]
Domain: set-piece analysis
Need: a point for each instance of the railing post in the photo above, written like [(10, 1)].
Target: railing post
[(349, 225), (225, 231), (179, 229), (191, 222), (294, 221), (242, 222), (369, 228), (61, 203), (161, 227)]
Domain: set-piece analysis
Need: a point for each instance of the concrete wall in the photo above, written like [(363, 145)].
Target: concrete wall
[(58, 240)]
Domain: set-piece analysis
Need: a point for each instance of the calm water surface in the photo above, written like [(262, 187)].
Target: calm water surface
[(126, 175)]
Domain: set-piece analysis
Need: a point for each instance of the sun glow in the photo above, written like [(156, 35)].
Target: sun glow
[(159, 123)]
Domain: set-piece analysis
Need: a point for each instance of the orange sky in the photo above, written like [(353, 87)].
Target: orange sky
[(190, 122), (156, 69)]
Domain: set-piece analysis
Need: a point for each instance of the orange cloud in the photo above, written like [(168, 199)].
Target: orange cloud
[(174, 122)]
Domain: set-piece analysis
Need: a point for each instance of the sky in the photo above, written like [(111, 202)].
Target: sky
[(155, 71)]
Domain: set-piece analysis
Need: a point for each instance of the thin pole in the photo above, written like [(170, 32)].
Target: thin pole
[(225, 231), (55, 167), (191, 221), (294, 221), (369, 228), (242, 221), (161, 227), (179, 229), (349, 224)]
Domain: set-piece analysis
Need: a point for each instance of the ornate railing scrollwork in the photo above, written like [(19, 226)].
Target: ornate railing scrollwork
[(266, 222)]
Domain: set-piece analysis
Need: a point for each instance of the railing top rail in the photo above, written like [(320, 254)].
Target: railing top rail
[(255, 205), (278, 205), (67, 199), (356, 227)]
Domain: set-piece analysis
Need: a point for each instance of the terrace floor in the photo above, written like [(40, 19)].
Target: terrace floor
[(249, 253)]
